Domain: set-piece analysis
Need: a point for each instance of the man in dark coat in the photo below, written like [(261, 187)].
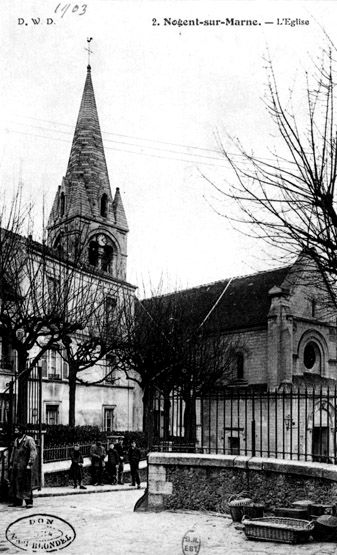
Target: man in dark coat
[(134, 458), (120, 450), (76, 469), (97, 453), (22, 458), (113, 460)]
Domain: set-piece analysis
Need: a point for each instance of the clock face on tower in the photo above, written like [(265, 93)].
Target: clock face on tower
[(102, 240)]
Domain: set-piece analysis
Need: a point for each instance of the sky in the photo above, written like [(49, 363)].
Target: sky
[(168, 96)]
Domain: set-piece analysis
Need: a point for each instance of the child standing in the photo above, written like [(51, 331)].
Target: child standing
[(76, 469), (113, 461)]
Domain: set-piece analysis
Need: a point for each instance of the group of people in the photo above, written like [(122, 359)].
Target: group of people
[(114, 465), (24, 454)]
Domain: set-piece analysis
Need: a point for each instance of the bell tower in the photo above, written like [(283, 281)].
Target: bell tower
[(85, 216)]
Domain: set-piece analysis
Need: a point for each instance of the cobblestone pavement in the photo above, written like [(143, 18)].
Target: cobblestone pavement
[(106, 524)]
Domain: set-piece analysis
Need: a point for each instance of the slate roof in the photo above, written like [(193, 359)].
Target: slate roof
[(240, 302), (87, 177), (87, 159)]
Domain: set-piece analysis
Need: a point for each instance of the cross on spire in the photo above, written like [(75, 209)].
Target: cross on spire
[(89, 39)]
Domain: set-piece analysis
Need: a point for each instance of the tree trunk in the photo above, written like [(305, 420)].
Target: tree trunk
[(148, 423), (72, 396), (190, 419), (22, 406)]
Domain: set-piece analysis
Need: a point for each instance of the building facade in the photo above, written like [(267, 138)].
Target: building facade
[(279, 398), (283, 323), (87, 224)]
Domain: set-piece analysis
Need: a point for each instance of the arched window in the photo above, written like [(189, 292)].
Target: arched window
[(93, 253), (313, 308), (62, 204), (58, 245), (101, 252), (104, 205), (239, 366), (312, 357)]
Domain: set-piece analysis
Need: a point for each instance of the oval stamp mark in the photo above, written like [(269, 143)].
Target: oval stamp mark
[(40, 532), (191, 542)]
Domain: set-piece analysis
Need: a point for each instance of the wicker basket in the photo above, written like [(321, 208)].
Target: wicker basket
[(277, 529), (253, 510), (325, 528), (303, 504), (319, 509), (237, 506), (292, 512)]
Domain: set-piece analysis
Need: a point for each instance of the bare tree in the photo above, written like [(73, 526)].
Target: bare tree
[(52, 298), (289, 199), (100, 305), (176, 345), (31, 314)]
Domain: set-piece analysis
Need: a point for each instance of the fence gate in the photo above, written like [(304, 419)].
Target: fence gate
[(320, 444)]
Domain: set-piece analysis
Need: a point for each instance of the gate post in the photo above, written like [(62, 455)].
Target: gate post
[(10, 409), (41, 438), (253, 438), (149, 408)]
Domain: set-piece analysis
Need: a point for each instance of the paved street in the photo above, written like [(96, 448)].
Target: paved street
[(105, 523)]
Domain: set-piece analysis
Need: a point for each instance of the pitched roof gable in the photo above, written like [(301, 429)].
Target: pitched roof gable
[(230, 304)]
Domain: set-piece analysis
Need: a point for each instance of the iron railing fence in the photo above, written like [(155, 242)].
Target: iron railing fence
[(298, 424), (9, 396), (63, 452)]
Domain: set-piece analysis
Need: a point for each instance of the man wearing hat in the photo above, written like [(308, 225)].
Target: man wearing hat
[(21, 461)]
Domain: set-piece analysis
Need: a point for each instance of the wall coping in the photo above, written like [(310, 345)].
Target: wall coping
[(311, 469), (62, 466)]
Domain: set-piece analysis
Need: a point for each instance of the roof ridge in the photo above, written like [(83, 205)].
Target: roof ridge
[(196, 287)]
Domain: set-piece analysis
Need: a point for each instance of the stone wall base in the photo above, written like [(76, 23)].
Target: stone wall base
[(207, 482)]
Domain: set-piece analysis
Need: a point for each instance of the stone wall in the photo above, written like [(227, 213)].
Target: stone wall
[(253, 344), (207, 482)]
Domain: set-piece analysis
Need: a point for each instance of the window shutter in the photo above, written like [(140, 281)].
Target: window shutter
[(44, 365), (65, 370)]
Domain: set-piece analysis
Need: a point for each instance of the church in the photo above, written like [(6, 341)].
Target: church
[(281, 321), (278, 395), (85, 216)]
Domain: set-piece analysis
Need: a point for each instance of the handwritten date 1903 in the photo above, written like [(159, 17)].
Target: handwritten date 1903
[(79, 9)]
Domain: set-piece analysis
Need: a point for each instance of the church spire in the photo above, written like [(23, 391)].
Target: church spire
[(87, 159), (86, 181), (85, 194)]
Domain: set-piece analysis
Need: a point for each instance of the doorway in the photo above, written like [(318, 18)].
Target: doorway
[(320, 444)]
